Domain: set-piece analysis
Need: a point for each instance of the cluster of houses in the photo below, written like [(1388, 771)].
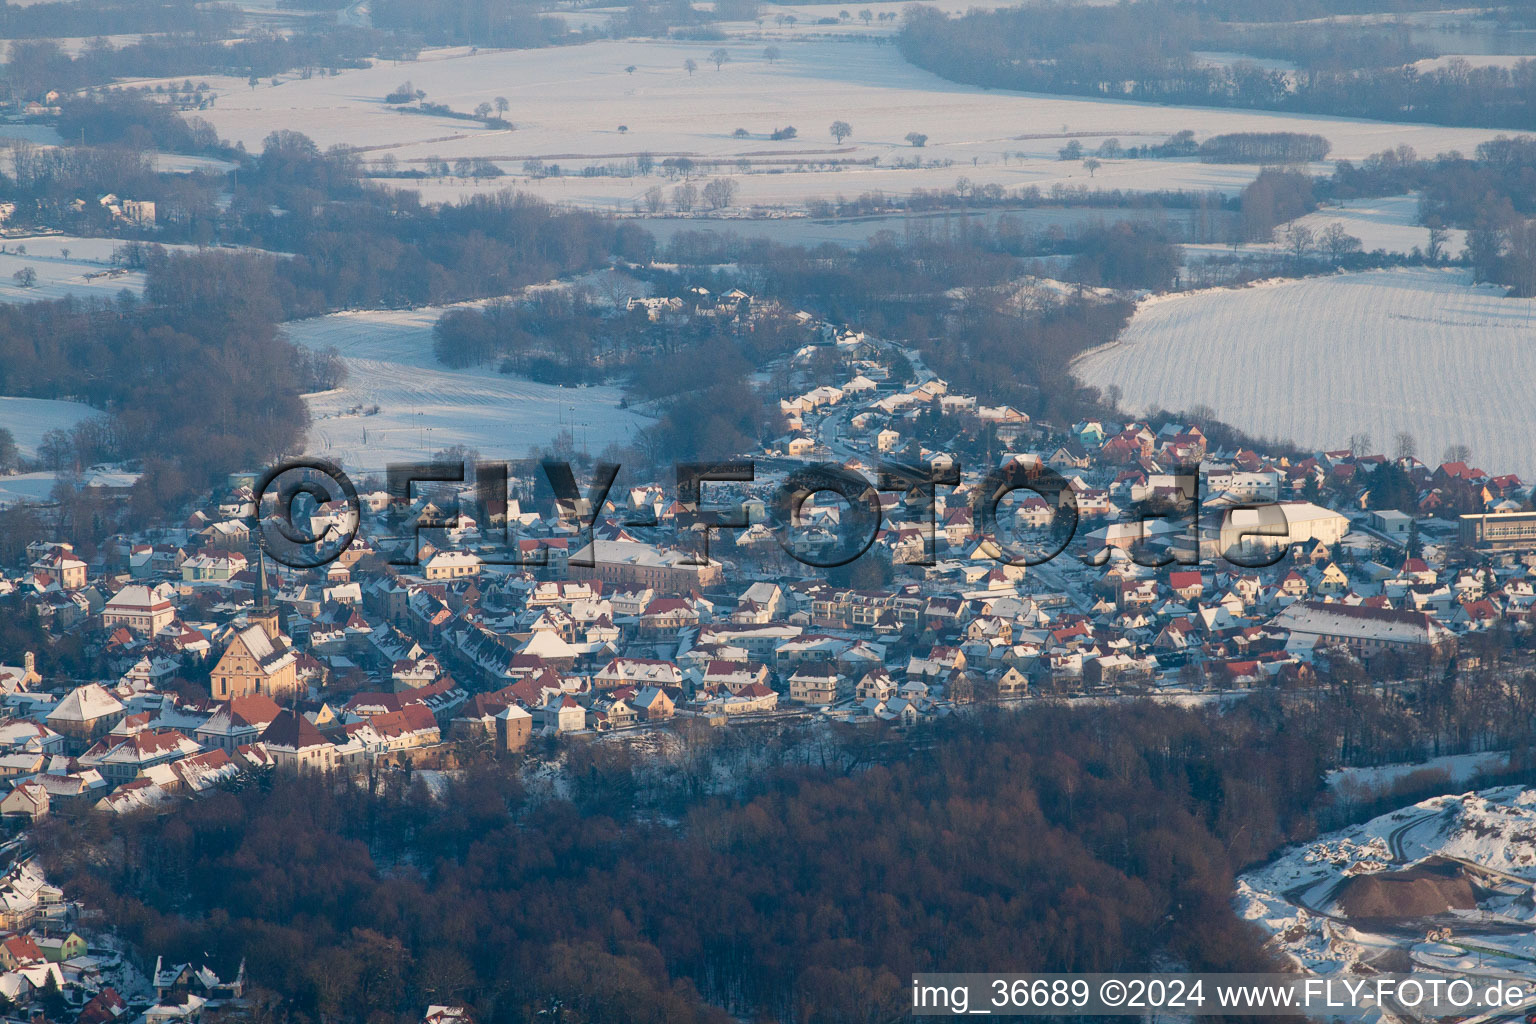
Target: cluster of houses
[(47, 969), (1190, 566)]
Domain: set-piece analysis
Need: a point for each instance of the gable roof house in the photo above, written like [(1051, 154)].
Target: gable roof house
[(88, 712), (294, 742)]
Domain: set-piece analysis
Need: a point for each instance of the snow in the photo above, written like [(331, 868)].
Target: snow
[(1384, 223), (1293, 897), (26, 488), (181, 163), (1477, 60), (855, 231), (568, 102), (87, 271), (1225, 59), (425, 407), (28, 419), (1420, 350), (21, 131), (1459, 769)]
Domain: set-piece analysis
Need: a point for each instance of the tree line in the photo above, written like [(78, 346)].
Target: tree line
[(1147, 51)]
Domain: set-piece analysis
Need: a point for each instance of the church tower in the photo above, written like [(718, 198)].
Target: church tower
[(263, 613)]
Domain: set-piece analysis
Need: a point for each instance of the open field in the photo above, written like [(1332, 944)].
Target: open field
[(569, 103), (855, 231), (1421, 351), (1384, 223), (28, 419), (424, 407), (86, 270), (26, 488)]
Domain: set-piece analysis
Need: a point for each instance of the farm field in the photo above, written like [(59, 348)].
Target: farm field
[(1421, 351), (855, 231), (424, 407), (26, 488), (569, 104), (1384, 223), (86, 271), (1459, 770), (28, 419)]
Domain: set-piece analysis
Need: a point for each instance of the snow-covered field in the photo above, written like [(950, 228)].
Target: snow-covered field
[(1387, 223), (1295, 897), (855, 231), (26, 488), (1459, 770), (87, 270), (1422, 351), (569, 103), (1384, 223), (424, 407), (28, 419)]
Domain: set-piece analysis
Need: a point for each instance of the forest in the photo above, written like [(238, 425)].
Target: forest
[(775, 875), (116, 17), (1492, 195), (1146, 51), (1056, 840), (33, 67)]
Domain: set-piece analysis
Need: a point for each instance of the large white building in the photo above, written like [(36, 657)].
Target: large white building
[(1361, 629), (1255, 533), (139, 609)]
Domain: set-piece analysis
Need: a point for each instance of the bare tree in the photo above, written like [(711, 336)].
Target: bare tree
[(484, 110), (685, 197), (1109, 149), (1337, 242), (10, 455), (1520, 261), (26, 277), (1404, 445), (719, 193), (1092, 164), (1457, 453), (690, 65), (1438, 237), (502, 106), (841, 130), (918, 139), (1298, 239), (629, 70), (654, 200), (771, 54), (719, 55), (1360, 445)]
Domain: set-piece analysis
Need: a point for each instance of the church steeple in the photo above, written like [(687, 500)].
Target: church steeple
[(263, 613), (263, 598)]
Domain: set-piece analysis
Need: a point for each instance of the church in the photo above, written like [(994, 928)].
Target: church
[(258, 660)]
